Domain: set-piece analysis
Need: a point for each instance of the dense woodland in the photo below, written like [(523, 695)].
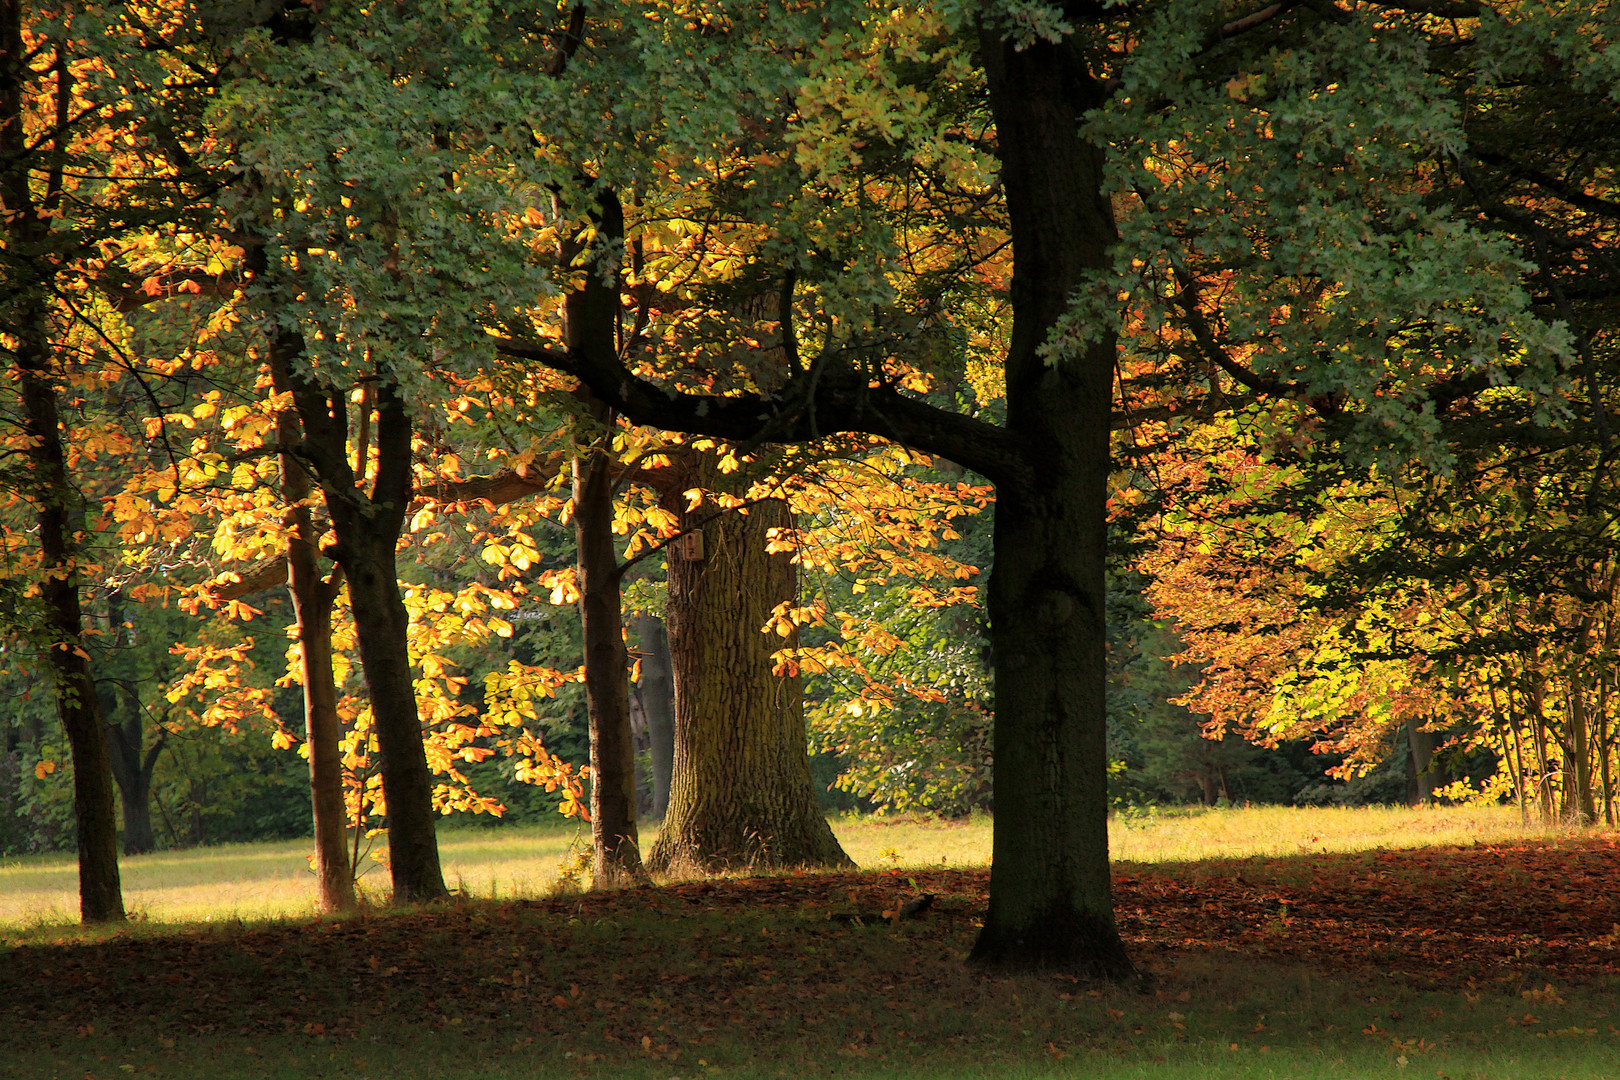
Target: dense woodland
[(721, 413)]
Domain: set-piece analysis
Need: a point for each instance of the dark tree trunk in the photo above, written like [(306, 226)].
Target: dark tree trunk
[(741, 794), (132, 763), (616, 847), (656, 693), (1051, 903), (312, 598), (132, 767), (77, 704), (368, 532), (367, 528), (1424, 775), (50, 491)]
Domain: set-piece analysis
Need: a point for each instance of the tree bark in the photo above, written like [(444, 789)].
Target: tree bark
[(1422, 745), (368, 530), (656, 692), (741, 796), (616, 855), (1051, 901), (313, 596), (50, 490)]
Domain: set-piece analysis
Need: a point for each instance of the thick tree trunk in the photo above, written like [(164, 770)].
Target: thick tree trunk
[(616, 852), (1050, 895), (313, 596), (656, 693), (741, 794)]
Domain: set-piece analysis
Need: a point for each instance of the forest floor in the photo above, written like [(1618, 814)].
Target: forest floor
[(1493, 961), (274, 880)]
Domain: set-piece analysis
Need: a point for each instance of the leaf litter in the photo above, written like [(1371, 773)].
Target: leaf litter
[(658, 970)]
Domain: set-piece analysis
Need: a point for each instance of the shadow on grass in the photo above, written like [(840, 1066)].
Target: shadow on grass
[(1318, 967)]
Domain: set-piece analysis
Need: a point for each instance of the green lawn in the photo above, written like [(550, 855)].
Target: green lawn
[(250, 881), (749, 978)]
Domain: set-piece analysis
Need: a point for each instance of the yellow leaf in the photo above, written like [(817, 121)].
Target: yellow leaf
[(42, 769)]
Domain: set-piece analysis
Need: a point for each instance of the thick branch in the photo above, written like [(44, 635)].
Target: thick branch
[(826, 400)]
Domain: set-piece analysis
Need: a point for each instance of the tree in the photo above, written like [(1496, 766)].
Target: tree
[(94, 159), (1087, 101), (740, 790)]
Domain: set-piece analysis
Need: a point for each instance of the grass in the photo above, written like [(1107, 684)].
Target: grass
[(741, 980), (747, 978), (257, 881)]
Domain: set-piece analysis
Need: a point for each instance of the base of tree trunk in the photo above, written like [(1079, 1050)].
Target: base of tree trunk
[(718, 848), (1061, 941)]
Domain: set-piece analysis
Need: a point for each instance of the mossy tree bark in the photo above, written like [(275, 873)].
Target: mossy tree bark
[(740, 792)]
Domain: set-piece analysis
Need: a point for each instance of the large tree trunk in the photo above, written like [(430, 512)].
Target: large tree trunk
[(616, 847), (741, 794), (48, 486), (1051, 903), (656, 693), (313, 596)]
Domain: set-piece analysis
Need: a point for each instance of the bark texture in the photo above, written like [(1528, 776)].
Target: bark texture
[(1051, 902), (616, 850), (741, 796), (312, 598)]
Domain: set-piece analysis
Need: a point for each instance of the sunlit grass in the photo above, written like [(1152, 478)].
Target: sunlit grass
[(1192, 834), (255, 881)]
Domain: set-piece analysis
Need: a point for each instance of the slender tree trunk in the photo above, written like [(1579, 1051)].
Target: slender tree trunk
[(616, 847), (313, 596), (132, 767), (1538, 740), (1578, 771), (1046, 592), (367, 528), (368, 532), (741, 795), (50, 489), (656, 692)]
